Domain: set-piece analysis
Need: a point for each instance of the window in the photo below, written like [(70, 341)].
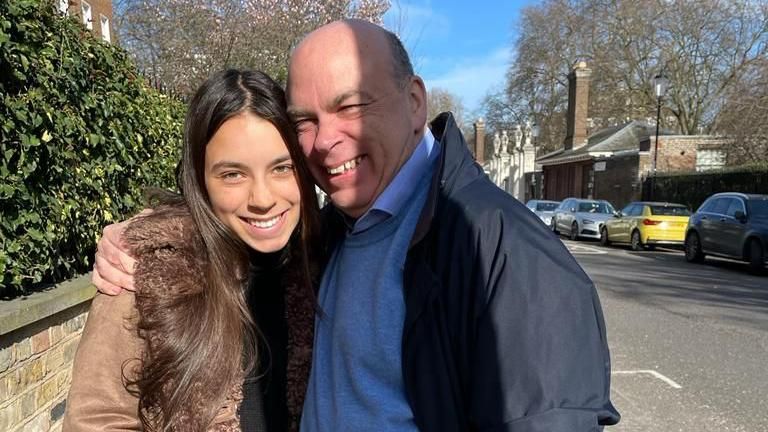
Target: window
[(546, 206), (721, 205), (670, 211), (105, 29), (707, 206), (736, 205), (637, 210), (595, 207), (759, 207), (85, 8), (63, 6)]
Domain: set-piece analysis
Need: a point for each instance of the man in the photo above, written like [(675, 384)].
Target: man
[(446, 305)]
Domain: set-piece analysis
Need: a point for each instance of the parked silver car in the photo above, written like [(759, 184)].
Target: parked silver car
[(544, 209), (579, 217)]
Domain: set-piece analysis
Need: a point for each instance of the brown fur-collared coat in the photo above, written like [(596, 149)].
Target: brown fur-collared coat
[(171, 260)]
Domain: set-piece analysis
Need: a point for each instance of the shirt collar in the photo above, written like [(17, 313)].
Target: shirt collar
[(394, 196)]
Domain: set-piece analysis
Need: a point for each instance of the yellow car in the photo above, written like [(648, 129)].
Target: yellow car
[(644, 225)]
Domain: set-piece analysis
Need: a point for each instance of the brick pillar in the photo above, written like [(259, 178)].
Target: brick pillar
[(479, 141), (578, 103)]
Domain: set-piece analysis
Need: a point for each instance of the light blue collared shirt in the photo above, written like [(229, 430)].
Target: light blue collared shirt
[(392, 199)]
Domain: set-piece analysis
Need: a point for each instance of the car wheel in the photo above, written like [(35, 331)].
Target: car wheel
[(693, 251), (636, 244), (553, 223), (574, 231), (756, 256), (604, 237)]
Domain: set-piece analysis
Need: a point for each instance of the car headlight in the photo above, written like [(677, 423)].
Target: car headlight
[(588, 222)]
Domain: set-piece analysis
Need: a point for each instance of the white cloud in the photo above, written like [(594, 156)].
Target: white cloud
[(471, 78)]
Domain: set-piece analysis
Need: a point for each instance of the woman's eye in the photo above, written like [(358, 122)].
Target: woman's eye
[(231, 176), (284, 169)]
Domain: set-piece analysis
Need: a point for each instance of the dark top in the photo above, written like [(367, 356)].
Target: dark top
[(264, 406)]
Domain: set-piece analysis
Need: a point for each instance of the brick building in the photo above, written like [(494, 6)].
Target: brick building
[(611, 163), (95, 14)]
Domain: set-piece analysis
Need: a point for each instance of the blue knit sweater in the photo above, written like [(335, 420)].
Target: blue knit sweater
[(356, 381)]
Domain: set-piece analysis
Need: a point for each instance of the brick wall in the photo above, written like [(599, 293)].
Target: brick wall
[(620, 182), (36, 359), (99, 8), (678, 152)]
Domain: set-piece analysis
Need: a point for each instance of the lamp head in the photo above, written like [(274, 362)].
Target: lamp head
[(660, 83)]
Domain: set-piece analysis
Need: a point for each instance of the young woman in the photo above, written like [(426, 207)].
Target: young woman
[(218, 334)]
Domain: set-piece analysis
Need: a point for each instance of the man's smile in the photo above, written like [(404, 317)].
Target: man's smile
[(346, 166)]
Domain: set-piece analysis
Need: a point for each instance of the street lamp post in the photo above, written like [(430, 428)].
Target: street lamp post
[(659, 89)]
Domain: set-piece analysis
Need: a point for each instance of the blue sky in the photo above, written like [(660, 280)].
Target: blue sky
[(462, 46)]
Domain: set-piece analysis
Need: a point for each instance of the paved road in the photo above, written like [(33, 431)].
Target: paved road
[(689, 342)]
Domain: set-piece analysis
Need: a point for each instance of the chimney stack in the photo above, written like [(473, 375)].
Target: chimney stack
[(578, 103), (479, 141)]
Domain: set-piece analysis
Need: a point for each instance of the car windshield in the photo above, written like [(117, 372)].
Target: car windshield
[(670, 211), (546, 206), (759, 208), (595, 207)]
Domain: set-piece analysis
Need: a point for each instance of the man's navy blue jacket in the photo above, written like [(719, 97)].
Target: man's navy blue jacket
[(503, 329)]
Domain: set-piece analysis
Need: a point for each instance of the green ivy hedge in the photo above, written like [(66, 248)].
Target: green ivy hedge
[(81, 136)]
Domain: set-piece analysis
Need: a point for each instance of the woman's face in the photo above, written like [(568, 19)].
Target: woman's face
[(251, 183)]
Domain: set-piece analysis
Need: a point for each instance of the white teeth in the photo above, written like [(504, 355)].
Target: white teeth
[(346, 166), (264, 224)]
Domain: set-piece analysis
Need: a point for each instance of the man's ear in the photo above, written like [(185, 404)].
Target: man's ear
[(417, 97)]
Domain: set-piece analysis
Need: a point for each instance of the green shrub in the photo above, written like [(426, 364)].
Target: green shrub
[(81, 135)]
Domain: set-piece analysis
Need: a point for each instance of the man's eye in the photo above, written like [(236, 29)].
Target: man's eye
[(352, 108), (303, 126)]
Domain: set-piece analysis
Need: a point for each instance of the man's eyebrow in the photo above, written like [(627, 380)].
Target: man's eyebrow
[(297, 113)]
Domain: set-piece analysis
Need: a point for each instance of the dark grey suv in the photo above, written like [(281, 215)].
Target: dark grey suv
[(732, 225)]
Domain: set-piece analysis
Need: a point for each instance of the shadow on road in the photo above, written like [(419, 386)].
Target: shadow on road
[(721, 289)]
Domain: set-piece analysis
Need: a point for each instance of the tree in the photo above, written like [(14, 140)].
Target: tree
[(441, 100), (181, 42), (706, 48), (743, 118)]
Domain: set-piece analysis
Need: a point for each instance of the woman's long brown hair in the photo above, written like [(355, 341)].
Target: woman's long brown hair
[(199, 343)]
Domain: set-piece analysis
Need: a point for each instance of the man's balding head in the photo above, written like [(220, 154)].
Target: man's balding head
[(382, 43), (358, 109)]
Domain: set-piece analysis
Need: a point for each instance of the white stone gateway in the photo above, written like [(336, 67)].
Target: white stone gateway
[(512, 159)]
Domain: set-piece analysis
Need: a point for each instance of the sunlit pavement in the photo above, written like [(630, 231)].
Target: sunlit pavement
[(689, 342)]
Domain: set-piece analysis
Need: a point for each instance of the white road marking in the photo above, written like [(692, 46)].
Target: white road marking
[(655, 374), (586, 250)]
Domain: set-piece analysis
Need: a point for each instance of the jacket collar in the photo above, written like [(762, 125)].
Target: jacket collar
[(456, 168)]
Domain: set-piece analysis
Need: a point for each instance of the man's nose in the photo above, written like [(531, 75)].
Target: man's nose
[(328, 134)]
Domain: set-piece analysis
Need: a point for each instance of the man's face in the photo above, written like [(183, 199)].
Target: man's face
[(356, 124)]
